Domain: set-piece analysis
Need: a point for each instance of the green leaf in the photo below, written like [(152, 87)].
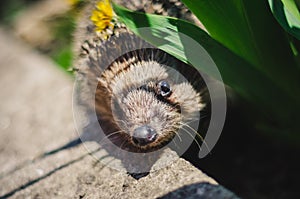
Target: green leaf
[(249, 29), (287, 14), (182, 39), (64, 57)]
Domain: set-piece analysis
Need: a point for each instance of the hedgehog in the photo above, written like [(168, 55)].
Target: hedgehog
[(142, 96)]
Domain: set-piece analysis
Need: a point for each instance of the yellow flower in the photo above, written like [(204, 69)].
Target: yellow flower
[(102, 15)]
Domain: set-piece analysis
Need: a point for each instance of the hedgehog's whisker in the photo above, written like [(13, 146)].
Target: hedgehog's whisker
[(125, 123), (108, 137), (201, 138), (178, 135), (176, 132), (108, 141), (173, 140), (189, 133), (120, 148), (190, 121), (185, 124), (202, 115)]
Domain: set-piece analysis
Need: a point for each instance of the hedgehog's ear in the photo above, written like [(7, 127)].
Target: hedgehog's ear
[(189, 100)]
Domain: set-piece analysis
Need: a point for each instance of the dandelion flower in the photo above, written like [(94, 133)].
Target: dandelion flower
[(102, 15)]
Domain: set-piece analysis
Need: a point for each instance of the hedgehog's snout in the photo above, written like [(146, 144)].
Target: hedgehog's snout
[(144, 135)]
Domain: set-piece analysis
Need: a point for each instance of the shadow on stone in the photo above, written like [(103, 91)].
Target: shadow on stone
[(200, 190)]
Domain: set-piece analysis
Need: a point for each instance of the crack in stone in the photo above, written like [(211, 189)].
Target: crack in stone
[(26, 163), (32, 182)]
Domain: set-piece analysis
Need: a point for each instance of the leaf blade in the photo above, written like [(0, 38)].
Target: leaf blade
[(287, 14), (249, 29)]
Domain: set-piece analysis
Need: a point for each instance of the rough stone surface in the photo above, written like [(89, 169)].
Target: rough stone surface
[(36, 117), (36, 111)]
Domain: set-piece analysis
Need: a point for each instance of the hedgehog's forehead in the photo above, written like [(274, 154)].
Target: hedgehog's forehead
[(138, 74)]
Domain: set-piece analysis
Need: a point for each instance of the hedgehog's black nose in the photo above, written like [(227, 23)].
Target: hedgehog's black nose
[(144, 135)]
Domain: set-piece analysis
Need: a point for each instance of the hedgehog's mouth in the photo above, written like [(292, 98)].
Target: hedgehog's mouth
[(149, 142)]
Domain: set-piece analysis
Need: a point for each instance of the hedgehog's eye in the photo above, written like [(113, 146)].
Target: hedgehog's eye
[(164, 88)]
